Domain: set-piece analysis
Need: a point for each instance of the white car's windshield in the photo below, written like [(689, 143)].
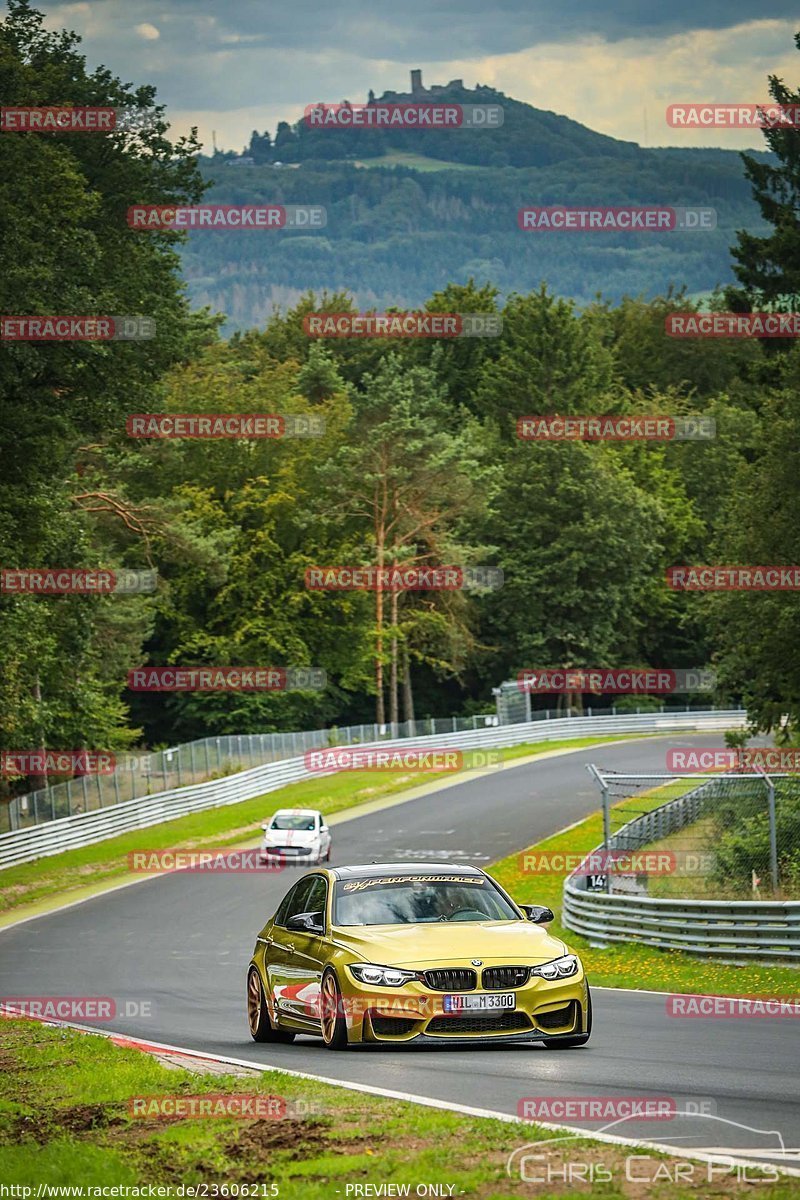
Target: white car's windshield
[(418, 899), (292, 822)]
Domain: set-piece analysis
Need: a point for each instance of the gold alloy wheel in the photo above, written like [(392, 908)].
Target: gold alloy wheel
[(330, 1007), (254, 997)]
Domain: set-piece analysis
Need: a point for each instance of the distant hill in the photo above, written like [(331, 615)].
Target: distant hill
[(528, 137), (397, 232)]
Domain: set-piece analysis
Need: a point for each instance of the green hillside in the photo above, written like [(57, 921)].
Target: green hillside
[(396, 233)]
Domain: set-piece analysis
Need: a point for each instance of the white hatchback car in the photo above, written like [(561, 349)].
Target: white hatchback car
[(296, 835)]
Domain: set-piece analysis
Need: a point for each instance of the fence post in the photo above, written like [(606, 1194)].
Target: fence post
[(592, 769), (773, 834)]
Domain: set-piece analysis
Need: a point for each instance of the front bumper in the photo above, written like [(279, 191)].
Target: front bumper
[(288, 858), (413, 1013)]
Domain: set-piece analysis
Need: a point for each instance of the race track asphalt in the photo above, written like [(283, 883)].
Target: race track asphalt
[(181, 943)]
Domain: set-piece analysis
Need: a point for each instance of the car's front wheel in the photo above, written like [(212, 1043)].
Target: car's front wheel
[(334, 1026), (574, 1039), (258, 1018)]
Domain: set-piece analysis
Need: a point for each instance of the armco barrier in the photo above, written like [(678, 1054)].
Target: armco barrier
[(719, 929), (84, 829), (722, 929)]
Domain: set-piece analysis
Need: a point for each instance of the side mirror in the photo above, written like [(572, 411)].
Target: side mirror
[(538, 914), (307, 922), (265, 827)]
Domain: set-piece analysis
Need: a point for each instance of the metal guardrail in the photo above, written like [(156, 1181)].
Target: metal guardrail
[(140, 775), (719, 929), (84, 829)]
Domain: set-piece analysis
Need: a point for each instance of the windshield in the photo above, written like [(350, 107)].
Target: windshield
[(293, 822), (413, 899)]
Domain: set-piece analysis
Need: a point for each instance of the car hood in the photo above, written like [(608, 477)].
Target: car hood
[(453, 943)]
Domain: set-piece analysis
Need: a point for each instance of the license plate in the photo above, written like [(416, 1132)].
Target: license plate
[(482, 1002)]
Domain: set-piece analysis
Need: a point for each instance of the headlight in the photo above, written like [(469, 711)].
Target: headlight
[(559, 968), (380, 976)]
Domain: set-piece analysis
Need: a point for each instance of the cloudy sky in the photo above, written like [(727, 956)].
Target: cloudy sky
[(235, 67)]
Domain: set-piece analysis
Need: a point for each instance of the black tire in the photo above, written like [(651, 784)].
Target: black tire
[(575, 1039), (328, 855), (334, 1026), (258, 1018)]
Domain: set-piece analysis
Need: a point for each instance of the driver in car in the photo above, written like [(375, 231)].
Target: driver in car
[(451, 900)]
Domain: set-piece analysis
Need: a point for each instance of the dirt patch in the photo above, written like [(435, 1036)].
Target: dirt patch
[(84, 1118), (37, 1127), (8, 1061), (258, 1142), (138, 1130), (78, 1119)]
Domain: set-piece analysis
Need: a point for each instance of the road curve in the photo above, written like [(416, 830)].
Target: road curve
[(182, 942)]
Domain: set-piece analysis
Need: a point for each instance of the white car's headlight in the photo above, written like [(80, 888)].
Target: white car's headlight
[(380, 976), (559, 968)]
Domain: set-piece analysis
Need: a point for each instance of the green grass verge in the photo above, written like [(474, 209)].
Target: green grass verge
[(629, 965), (65, 1100), (96, 865)]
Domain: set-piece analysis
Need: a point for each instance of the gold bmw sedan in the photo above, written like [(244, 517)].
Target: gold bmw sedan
[(402, 952)]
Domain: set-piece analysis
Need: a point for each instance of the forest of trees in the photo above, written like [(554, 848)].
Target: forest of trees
[(419, 462), (395, 235)]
